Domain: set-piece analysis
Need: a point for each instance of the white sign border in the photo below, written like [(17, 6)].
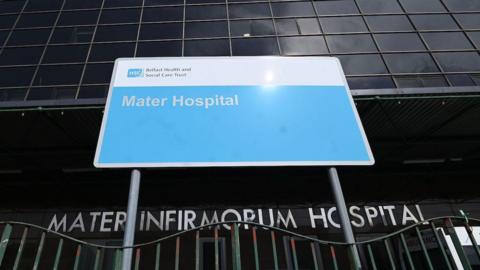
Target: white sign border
[(98, 164)]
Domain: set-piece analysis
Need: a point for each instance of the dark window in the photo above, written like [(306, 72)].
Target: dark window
[(447, 41), (110, 52), (78, 17), (80, 4), (41, 5), (7, 21), (249, 28), (98, 73), (376, 6), (343, 25), (161, 48), (249, 11), (58, 75), (460, 80), (72, 34), (388, 23), (410, 63), (120, 15), (11, 6), (422, 6), (16, 76), (458, 61), (475, 36), (469, 21), (215, 47), (37, 19), (206, 29), (351, 43), (293, 9), (362, 64), (122, 3), (12, 94), (205, 12), (335, 7), (312, 45), (117, 32), (204, 1), (52, 93), (370, 82), (434, 22), (66, 54), (3, 37), (162, 14), (463, 5), (399, 42), (20, 56), (255, 46), (301, 26), (162, 2), (93, 91), (421, 81), (25, 37), (161, 31)]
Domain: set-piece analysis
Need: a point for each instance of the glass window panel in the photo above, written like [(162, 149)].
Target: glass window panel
[(421, 81), (255, 46), (16, 76), (58, 75), (20, 56), (447, 41), (93, 91), (3, 37), (162, 14), (410, 63), (351, 43), (399, 42), (117, 32), (122, 3), (216, 47), (161, 31), (11, 6), (476, 78), (120, 15), (98, 73), (290, 9), (163, 2), (388, 23), (37, 19), (205, 12), (249, 11), (162, 48), (460, 80), (65, 54), (52, 93), (370, 82), (80, 4), (362, 64), (312, 45), (343, 25), (204, 1), (78, 17), (112, 51), (458, 61), (376, 6), (301, 26), (422, 6), (469, 21), (336, 7), (475, 37), (72, 34), (433, 22), (26, 37), (206, 29), (12, 94), (7, 21), (249, 28), (41, 5), (463, 5)]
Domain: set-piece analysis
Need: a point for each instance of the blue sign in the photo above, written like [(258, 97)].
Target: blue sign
[(173, 118)]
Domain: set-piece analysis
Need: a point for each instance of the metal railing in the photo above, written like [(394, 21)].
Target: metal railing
[(448, 242)]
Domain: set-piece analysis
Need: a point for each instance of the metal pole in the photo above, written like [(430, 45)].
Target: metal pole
[(131, 217), (343, 214)]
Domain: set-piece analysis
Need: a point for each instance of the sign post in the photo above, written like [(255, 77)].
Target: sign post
[(132, 207)]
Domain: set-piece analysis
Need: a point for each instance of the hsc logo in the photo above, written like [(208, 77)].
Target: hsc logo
[(135, 72)]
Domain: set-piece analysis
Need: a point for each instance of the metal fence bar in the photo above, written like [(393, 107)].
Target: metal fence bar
[(4, 241), (255, 248), (177, 253), (197, 250), (137, 259), (157, 256), (389, 254), (39, 251), (314, 255), (472, 239), (77, 257), (457, 244), (58, 254), (424, 248), (217, 263), (371, 257), (274, 250), (294, 253), (407, 251), (96, 264), (440, 244), (334, 257), (236, 233), (118, 259), (20, 249)]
